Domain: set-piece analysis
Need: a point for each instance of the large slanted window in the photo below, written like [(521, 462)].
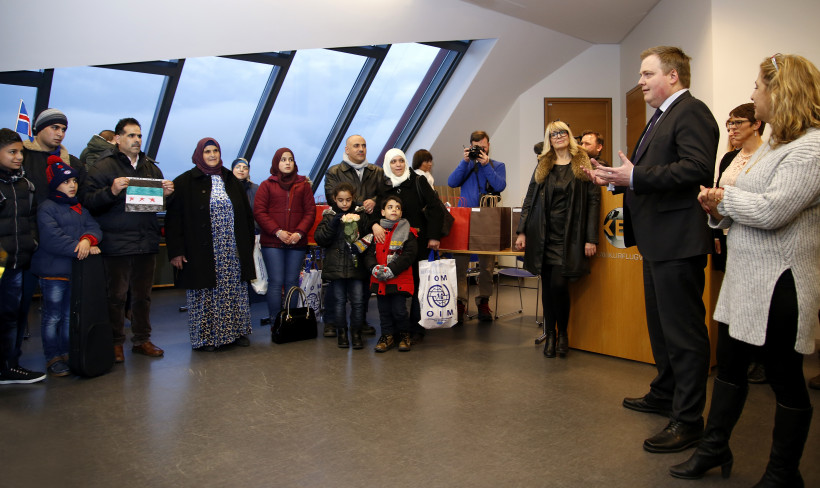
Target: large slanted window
[(94, 99), (215, 98), (398, 80), (252, 104), (318, 82)]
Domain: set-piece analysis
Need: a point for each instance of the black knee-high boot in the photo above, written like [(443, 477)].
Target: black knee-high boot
[(549, 344), (791, 428), (562, 342), (713, 450)]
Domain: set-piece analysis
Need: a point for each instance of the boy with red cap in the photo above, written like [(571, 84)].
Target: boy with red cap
[(67, 231)]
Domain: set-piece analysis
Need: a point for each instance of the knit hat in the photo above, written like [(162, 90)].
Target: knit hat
[(240, 160), (48, 117), (58, 172)]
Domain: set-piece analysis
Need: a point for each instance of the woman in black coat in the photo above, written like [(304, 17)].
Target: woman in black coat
[(209, 234), (420, 207), (559, 227)]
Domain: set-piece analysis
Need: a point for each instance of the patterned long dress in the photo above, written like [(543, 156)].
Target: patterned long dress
[(218, 316)]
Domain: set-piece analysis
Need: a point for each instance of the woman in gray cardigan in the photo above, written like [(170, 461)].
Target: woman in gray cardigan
[(771, 292)]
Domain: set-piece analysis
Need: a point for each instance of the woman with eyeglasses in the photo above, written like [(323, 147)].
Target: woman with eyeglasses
[(745, 138), (558, 231), (771, 291)]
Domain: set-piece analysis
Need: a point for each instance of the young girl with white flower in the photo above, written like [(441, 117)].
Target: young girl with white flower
[(342, 233)]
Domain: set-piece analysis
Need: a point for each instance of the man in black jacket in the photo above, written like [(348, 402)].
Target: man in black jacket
[(367, 178), (131, 239)]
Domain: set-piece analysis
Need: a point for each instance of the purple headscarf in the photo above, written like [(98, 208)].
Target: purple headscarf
[(199, 160)]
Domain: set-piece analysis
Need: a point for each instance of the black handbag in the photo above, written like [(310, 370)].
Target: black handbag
[(294, 324)]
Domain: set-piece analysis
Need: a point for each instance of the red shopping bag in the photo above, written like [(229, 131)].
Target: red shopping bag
[(459, 236), (319, 210)]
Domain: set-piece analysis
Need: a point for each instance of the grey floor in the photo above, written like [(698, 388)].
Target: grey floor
[(476, 406)]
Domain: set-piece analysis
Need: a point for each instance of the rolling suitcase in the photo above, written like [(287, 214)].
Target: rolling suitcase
[(91, 343)]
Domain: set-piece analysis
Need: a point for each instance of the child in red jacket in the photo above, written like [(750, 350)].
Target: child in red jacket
[(391, 277)]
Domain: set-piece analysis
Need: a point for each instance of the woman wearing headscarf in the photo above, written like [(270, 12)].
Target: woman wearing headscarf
[(241, 168), (420, 208), (209, 234), (285, 211), (558, 231), (771, 292)]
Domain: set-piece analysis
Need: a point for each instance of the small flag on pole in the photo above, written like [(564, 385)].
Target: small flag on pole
[(23, 121)]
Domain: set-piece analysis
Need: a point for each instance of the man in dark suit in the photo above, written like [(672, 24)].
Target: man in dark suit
[(675, 155)]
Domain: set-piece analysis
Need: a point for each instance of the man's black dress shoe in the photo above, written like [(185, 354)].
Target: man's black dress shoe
[(644, 404), (675, 437)]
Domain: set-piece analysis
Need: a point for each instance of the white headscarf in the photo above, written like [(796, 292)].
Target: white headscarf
[(388, 171)]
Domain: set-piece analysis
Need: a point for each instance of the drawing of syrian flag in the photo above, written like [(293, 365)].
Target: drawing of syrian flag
[(144, 195)]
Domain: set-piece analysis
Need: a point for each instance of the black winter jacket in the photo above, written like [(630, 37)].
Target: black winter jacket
[(412, 209), (339, 262), (18, 223), (582, 217), (126, 233), (188, 228), (366, 189)]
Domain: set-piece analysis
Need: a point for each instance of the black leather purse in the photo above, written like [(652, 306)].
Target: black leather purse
[(294, 324)]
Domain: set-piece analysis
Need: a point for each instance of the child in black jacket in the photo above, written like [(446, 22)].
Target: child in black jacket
[(18, 241), (341, 233)]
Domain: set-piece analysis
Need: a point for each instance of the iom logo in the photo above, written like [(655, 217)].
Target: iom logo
[(438, 296), (614, 227), (313, 301)]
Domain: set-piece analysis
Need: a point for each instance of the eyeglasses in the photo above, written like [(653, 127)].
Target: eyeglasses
[(774, 62), (735, 124), (558, 133)]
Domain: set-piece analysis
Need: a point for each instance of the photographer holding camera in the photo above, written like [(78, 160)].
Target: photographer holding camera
[(477, 175)]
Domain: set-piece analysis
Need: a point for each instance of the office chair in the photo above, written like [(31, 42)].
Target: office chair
[(519, 274)]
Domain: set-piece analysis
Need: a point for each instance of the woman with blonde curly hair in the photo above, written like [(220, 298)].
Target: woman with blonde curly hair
[(559, 227), (771, 293)]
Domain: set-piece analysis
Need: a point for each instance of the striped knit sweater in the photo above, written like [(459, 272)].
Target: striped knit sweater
[(773, 217)]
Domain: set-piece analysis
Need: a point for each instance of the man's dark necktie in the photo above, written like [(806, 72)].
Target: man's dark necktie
[(645, 138)]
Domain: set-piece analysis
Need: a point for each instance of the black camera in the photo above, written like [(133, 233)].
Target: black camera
[(475, 152)]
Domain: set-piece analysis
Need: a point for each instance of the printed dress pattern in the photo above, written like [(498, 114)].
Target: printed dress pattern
[(218, 316)]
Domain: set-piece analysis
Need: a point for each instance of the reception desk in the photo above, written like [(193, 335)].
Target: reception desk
[(608, 314)]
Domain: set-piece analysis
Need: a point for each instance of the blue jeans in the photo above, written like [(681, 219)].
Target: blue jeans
[(344, 290), (11, 336), (393, 313), (56, 313), (283, 266)]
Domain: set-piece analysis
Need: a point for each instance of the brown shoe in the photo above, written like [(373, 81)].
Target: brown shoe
[(119, 356), (148, 349), (404, 343)]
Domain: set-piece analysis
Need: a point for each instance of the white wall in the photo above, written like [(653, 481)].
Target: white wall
[(742, 37), (726, 40), (591, 74), (687, 25)]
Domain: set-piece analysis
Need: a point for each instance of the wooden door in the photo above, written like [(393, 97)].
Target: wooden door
[(635, 118), (582, 114)]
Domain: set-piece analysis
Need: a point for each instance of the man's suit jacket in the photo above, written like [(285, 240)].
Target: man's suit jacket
[(662, 214)]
